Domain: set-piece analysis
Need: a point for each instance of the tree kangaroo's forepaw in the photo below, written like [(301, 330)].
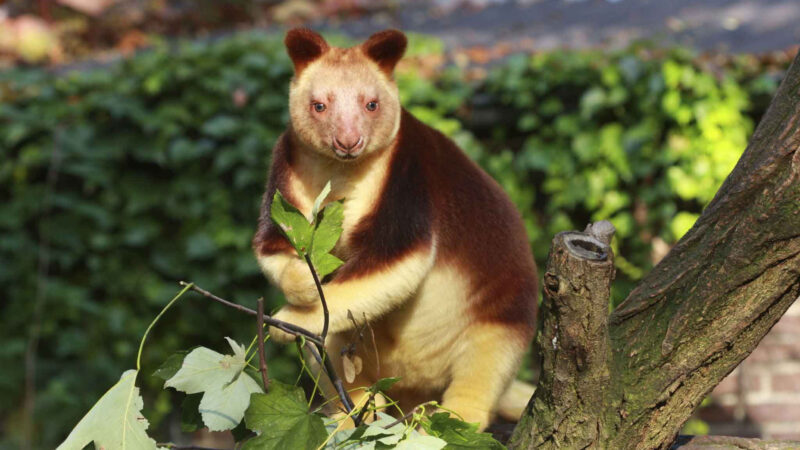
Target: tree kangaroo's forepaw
[(469, 414), (298, 285), (308, 318)]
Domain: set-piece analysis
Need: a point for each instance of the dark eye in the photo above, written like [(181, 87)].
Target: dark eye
[(319, 107), (372, 106)]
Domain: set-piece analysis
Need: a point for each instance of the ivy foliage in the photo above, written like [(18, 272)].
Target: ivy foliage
[(641, 137), (115, 182)]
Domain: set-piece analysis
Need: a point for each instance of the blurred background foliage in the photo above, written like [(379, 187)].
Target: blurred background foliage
[(119, 181)]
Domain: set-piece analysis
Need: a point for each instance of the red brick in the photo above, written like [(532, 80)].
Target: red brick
[(775, 352), (752, 382), (786, 382), (787, 325), (774, 413), (716, 413), (785, 436), (729, 384), (793, 310)]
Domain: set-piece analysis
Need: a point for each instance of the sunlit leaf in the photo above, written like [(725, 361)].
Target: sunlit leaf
[(292, 222), (326, 233), (421, 442), (226, 388), (115, 421), (386, 432), (320, 198)]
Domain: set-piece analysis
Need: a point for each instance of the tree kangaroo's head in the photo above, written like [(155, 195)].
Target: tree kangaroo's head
[(343, 102)]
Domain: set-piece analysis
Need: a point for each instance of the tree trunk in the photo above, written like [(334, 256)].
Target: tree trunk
[(634, 382)]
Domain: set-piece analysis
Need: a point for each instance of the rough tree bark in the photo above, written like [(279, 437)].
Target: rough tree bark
[(631, 379)]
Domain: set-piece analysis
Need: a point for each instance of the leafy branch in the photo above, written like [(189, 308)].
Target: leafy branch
[(313, 241), (224, 389)]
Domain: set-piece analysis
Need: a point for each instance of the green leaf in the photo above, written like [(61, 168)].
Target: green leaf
[(220, 377), (191, 420), (458, 434), (292, 223), (171, 366), (327, 231), (115, 421), (325, 264), (221, 126), (316, 240), (320, 198), (384, 384), (241, 432), (283, 421)]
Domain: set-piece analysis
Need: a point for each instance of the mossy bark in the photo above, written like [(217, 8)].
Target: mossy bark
[(575, 367), (692, 319)]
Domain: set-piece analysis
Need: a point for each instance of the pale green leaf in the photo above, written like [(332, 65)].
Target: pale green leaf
[(377, 435), (320, 198), (292, 222), (226, 388), (420, 442), (115, 422), (283, 421)]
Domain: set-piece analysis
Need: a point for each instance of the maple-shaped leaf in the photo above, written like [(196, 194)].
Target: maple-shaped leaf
[(282, 420), (226, 388), (115, 422)]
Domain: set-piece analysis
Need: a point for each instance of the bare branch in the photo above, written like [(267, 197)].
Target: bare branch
[(317, 350), (279, 324), (262, 360), (322, 358), (325, 313)]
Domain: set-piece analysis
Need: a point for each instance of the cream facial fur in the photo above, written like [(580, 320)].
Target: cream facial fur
[(343, 107)]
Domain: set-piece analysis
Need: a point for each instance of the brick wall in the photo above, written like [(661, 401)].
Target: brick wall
[(761, 398)]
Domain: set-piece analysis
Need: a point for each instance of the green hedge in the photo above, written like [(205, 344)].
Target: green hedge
[(151, 171), (641, 137)]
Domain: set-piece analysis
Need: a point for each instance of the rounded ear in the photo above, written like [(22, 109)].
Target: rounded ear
[(385, 48), (303, 47)]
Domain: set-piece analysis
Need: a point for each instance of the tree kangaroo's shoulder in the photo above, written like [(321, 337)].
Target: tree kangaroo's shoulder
[(401, 221)]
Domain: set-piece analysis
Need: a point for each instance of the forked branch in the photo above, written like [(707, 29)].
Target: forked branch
[(317, 349), (688, 323)]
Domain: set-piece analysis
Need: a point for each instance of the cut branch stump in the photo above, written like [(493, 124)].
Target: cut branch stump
[(632, 379)]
